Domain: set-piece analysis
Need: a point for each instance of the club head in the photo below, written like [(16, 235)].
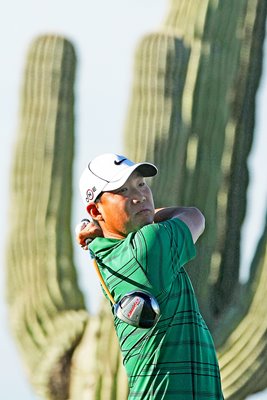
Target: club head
[(138, 308)]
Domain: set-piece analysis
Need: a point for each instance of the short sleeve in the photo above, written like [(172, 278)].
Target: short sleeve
[(162, 249)]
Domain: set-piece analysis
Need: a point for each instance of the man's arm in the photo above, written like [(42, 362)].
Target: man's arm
[(191, 216)]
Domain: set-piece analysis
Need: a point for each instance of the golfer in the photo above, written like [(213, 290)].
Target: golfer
[(140, 248)]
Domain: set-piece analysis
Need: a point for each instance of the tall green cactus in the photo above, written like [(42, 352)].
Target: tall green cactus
[(47, 309), (58, 339), (188, 119), (194, 117), (192, 113)]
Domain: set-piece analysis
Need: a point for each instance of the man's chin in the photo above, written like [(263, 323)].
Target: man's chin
[(143, 222)]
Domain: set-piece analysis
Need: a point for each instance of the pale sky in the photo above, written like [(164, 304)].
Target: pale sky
[(105, 34)]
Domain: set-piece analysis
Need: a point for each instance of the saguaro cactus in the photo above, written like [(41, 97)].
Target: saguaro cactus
[(47, 309), (194, 117), (58, 339)]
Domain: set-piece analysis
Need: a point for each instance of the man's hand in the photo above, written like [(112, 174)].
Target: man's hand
[(87, 230)]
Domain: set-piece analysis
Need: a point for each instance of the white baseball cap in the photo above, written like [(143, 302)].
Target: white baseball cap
[(109, 172)]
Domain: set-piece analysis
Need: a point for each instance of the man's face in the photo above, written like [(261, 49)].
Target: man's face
[(126, 209)]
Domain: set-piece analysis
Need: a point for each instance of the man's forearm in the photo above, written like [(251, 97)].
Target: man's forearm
[(191, 216), (163, 214)]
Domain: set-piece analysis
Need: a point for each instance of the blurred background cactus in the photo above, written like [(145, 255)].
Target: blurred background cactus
[(192, 113), (46, 306)]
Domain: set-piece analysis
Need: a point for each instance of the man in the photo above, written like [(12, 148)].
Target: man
[(139, 248)]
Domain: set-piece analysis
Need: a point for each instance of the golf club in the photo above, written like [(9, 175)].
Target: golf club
[(138, 308)]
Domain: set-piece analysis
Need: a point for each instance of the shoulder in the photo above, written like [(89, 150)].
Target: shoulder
[(165, 232), (105, 245), (170, 226), (166, 245)]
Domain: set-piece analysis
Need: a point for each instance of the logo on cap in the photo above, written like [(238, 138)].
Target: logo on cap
[(89, 195), (119, 162)]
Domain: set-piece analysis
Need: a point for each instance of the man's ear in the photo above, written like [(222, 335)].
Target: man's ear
[(94, 212)]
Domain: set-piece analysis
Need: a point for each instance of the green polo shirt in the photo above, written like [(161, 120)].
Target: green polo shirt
[(176, 358)]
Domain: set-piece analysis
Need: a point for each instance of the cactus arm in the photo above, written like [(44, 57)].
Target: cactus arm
[(47, 311)]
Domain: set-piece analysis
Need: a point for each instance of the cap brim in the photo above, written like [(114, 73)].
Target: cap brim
[(146, 170)]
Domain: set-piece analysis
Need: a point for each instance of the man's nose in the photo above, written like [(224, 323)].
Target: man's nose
[(138, 197)]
